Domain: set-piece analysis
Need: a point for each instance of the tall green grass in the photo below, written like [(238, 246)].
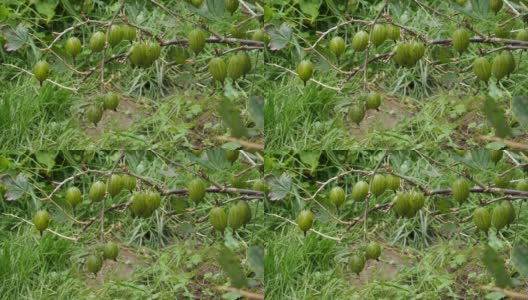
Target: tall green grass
[(167, 105), (434, 255), (436, 101)]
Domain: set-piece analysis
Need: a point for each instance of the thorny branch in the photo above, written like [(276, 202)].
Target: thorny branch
[(244, 194), (47, 229), (370, 43), (311, 229), (123, 3), (121, 155)]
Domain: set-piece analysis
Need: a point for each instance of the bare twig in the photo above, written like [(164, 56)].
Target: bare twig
[(512, 8), (356, 70), (249, 295), (322, 36), (248, 169), (49, 80), (433, 161), (243, 197), (332, 179), (49, 197), (510, 156), (512, 144), (61, 34), (513, 294), (215, 40), (111, 58), (59, 57), (311, 229), (246, 6), (468, 26), (200, 174), (487, 190), (376, 207), (245, 144), (324, 57), (243, 48), (311, 79), (227, 190), (409, 180), (246, 156), (485, 40), (47, 229), (143, 30), (111, 208), (176, 15)]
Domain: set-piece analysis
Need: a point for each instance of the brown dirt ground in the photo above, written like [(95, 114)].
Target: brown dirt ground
[(120, 270), (120, 120), (391, 111), (390, 264), (130, 110)]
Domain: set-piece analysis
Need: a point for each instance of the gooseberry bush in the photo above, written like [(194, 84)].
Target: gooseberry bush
[(109, 205), (111, 56), (362, 67), (357, 215)]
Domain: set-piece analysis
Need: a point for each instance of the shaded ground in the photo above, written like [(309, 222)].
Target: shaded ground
[(121, 120), (188, 119), (389, 115), (387, 268), (121, 270)]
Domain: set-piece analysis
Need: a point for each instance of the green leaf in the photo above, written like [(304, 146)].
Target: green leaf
[(310, 158), (495, 91), (495, 116), (520, 260), (495, 296), (231, 266), (14, 38), (477, 10), (232, 119), (231, 242), (279, 187), (268, 13), (279, 37), (496, 146), (520, 109), (15, 187), (256, 110), (466, 161), (216, 8), (256, 259), (5, 13), (46, 158), (47, 8), (495, 265), (494, 241), (205, 12), (5, 163), (332, 6), (230, 91), (232, 296), (442, 54), (231, 146), (215, 160), (310, 7)]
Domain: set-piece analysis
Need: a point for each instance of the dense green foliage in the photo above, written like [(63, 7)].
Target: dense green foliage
[(430, 96), (433, 249), (166, 97), (172, 252)]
